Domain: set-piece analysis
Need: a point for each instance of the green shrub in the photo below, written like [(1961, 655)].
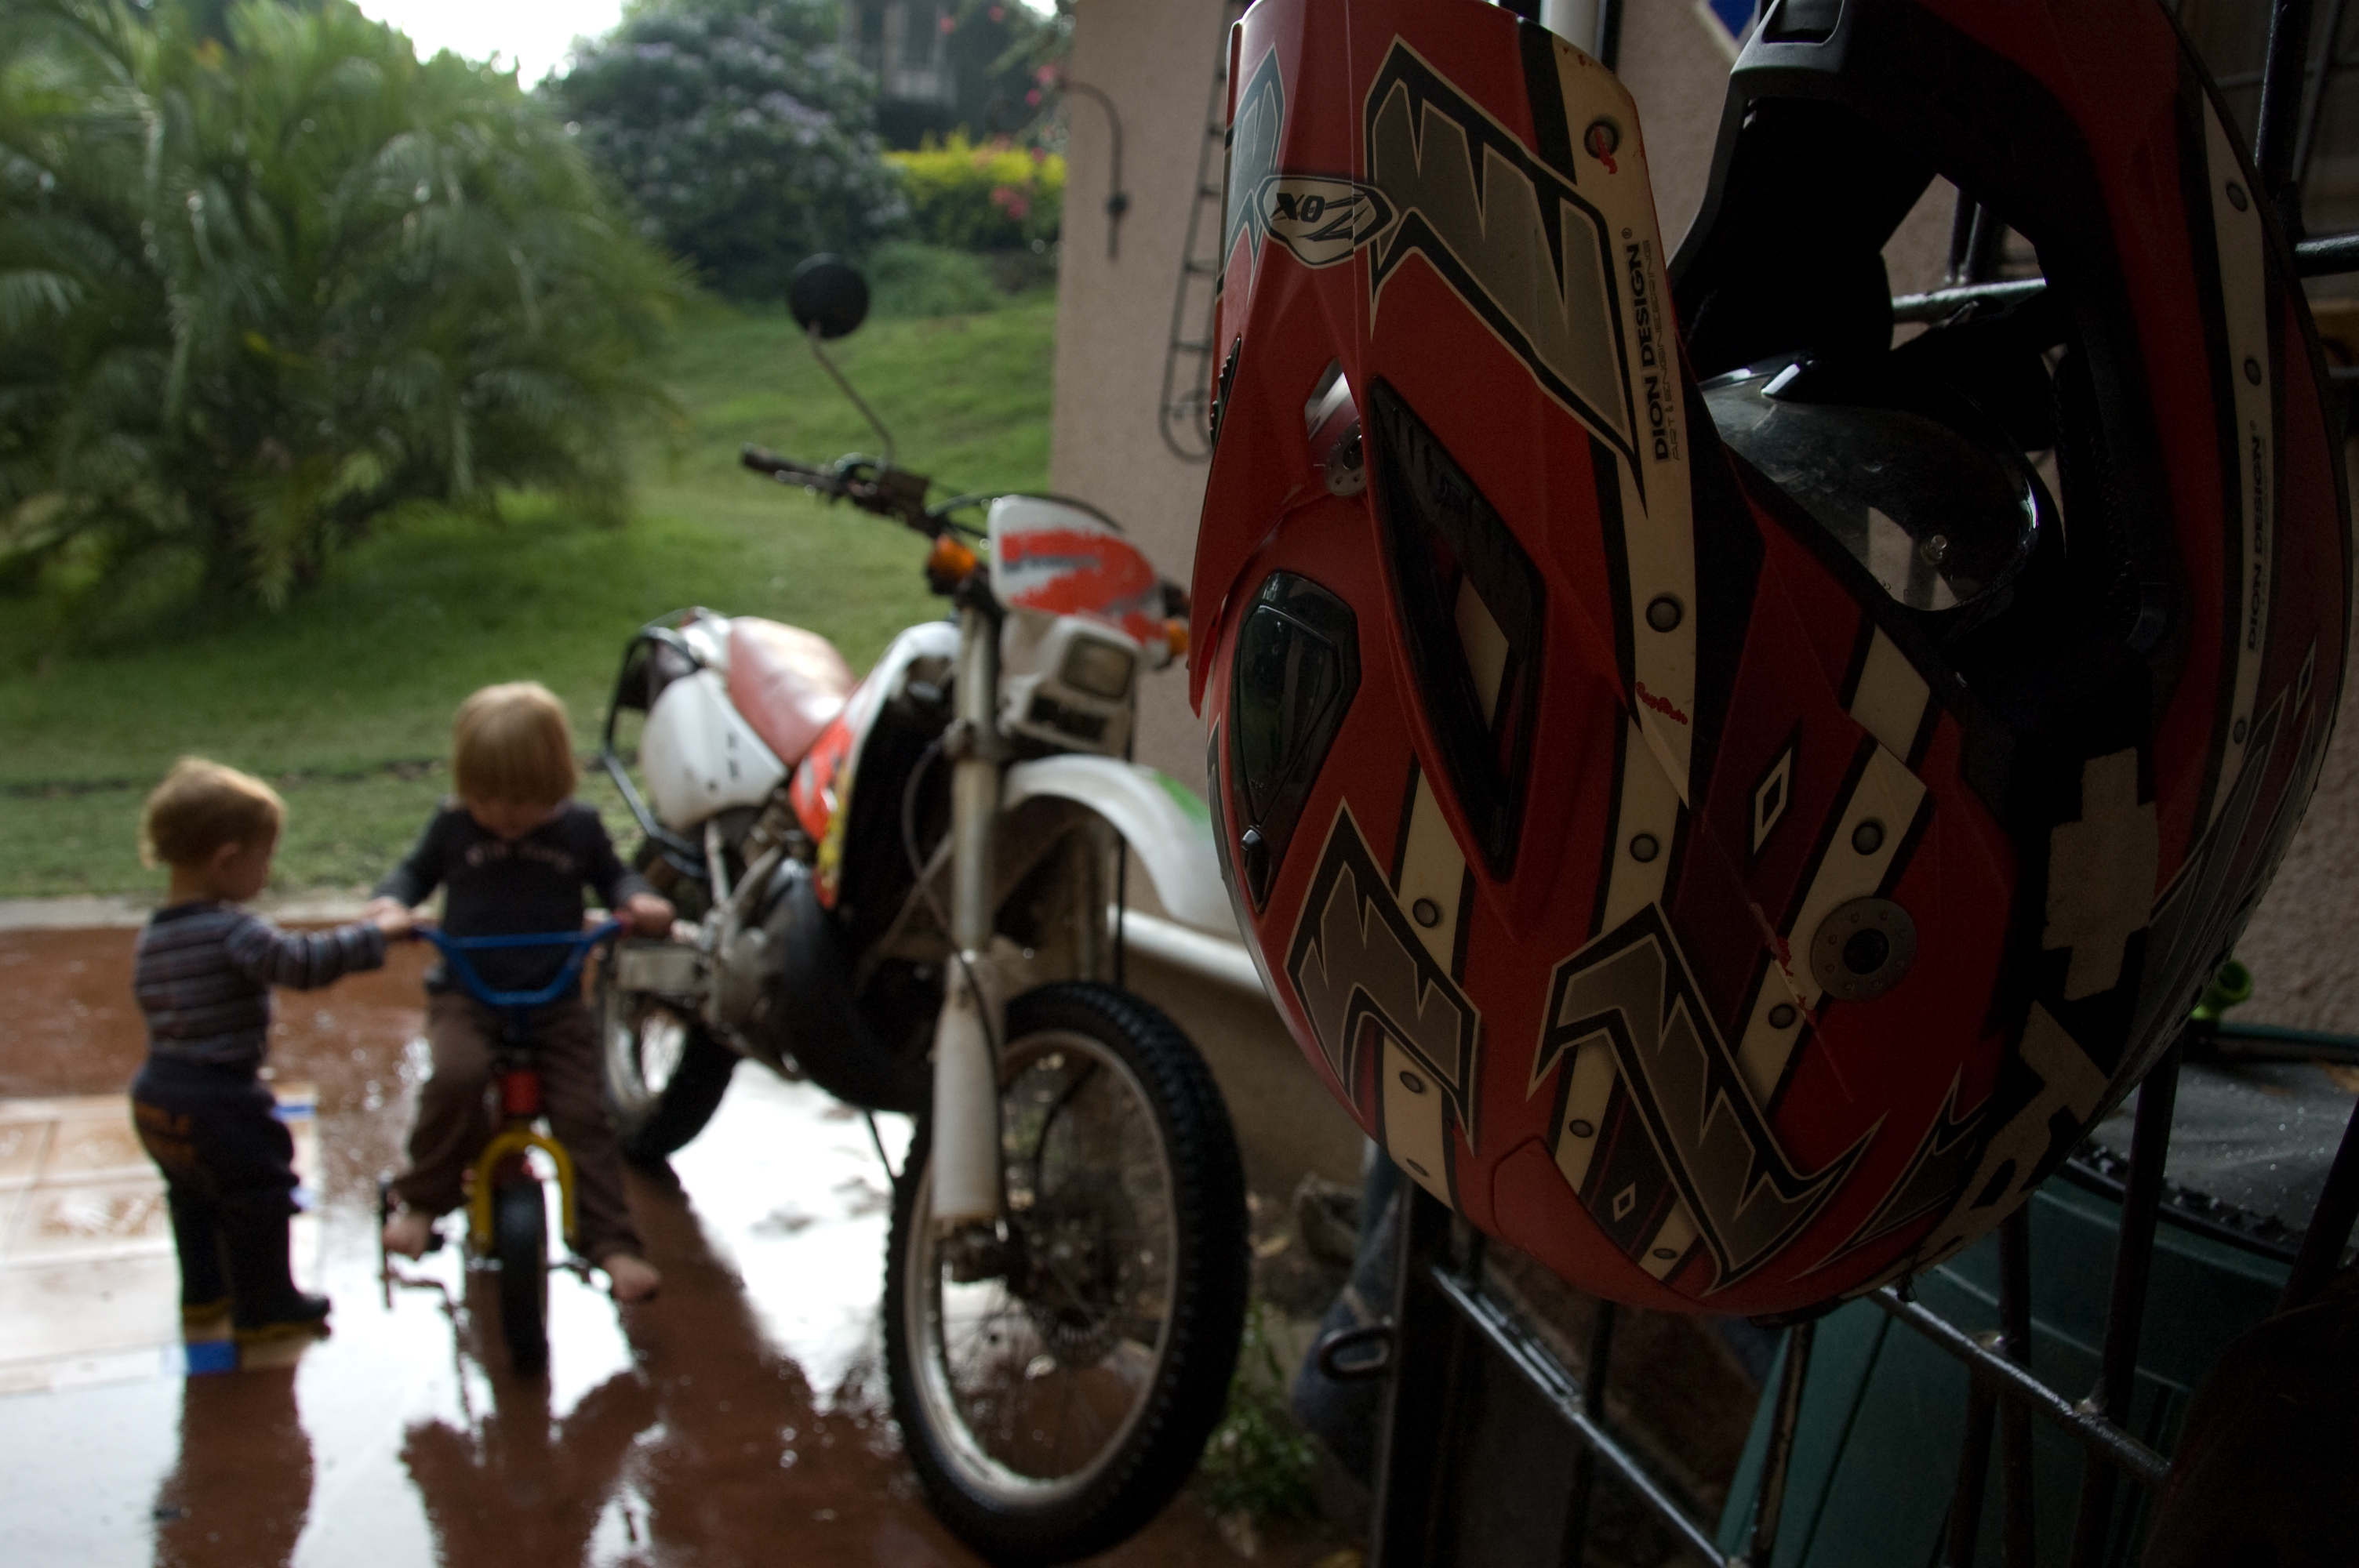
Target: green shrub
[(906, 279), (1257, 1462), (256, 295), (993, 196)]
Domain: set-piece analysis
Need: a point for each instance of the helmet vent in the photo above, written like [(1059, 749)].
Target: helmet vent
[(1472, 607), (1297, 667)]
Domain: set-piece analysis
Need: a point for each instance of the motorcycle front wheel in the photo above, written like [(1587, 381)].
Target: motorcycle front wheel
[(1055, 1377), (665, 1072)]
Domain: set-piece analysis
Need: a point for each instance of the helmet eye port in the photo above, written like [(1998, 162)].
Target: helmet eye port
[(1940, 517), (1472, 608)]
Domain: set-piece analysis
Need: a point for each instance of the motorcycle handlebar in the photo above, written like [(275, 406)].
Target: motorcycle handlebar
[(887, 493), (786, 471)]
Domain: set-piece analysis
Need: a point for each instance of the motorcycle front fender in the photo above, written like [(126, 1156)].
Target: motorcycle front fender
[(1166, 824)]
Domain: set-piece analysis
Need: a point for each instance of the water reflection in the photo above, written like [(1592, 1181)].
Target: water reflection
[(507, 1485), (242, 1489), (691, 1428)]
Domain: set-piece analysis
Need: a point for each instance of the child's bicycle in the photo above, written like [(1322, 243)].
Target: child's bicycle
[(507, 1214)]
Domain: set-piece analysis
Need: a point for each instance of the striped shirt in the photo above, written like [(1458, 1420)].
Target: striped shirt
[(204, 972)]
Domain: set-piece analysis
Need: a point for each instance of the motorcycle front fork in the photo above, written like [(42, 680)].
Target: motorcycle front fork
[(967, 1190)]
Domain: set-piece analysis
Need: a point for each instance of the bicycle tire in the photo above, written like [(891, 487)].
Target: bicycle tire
[(520, 1246), (1152, 1134)]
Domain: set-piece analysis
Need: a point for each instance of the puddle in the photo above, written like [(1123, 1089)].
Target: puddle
[(738, 1418)]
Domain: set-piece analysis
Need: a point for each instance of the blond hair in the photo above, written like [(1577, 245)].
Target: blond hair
[(511, 743), (200, 807)]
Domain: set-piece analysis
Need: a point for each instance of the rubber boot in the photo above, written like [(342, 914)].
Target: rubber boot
[(196, 1237), (268, 1304)]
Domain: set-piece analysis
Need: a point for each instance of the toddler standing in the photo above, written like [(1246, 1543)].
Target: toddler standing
[(203, 975), (513, 852)]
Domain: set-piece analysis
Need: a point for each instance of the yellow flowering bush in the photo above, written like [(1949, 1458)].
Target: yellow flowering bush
[(982, 196)]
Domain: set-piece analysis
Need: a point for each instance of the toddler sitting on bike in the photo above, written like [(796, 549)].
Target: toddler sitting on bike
[(513, 851)]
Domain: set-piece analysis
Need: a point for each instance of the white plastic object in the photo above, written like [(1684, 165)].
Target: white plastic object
[(1164, 823), (966, 1109), (1051, 557), (700, 755), (1035, 698), (707, 636)]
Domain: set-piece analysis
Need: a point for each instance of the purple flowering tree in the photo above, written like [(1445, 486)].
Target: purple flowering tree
[(743, 139)]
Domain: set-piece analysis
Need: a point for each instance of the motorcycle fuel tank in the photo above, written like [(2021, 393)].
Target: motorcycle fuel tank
[(789, 683), (821, 793)]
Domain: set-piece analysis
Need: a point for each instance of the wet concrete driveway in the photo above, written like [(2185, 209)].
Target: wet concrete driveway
[(738, 1418)]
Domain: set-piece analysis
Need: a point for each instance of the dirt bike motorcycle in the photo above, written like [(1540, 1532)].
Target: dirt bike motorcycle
[(908, 891)]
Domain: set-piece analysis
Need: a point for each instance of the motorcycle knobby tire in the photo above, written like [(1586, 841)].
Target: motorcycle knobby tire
[(652, 1121), (1188, 1391)]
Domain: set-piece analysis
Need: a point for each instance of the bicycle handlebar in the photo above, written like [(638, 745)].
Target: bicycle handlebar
[(454, 951)]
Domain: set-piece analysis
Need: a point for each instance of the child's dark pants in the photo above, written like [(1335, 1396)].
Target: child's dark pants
[(229, 1177), (455, 1121)]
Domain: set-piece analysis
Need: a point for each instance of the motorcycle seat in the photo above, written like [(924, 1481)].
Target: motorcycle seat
[(788, 683)]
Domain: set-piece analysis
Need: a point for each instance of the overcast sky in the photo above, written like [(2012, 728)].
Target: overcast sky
[(532, 34)]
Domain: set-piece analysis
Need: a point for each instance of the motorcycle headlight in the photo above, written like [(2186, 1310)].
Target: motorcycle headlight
[(1099, 668)]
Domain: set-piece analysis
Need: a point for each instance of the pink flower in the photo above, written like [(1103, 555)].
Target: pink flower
[(996, 14), (950, 23), (1033, 98)]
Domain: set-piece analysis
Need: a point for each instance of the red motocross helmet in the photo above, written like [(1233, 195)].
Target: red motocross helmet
[(1710, 807)]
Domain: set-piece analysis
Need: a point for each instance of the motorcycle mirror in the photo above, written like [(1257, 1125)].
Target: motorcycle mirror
[(827, 295)]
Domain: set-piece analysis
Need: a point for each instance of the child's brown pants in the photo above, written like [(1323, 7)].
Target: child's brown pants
[(455, 1119)]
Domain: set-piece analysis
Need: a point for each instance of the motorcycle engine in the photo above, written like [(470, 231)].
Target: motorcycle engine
[(785, 989), (743, 973)]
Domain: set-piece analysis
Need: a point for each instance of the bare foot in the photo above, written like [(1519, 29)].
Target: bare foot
[(408, 1232), (630, 1278)]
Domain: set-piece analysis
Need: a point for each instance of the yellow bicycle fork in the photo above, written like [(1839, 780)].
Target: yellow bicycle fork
[(515, 1140)]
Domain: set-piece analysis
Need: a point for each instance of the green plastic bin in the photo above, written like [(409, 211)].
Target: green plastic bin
[(1875, 1452)]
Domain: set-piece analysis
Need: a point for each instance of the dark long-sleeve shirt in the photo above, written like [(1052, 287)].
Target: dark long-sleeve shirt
[(204, 971), (497, 886)]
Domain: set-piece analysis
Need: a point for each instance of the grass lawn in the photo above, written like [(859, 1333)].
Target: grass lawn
[(343, 697)]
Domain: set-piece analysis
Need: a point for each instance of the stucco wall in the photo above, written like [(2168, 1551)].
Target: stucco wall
[(1156, 59)]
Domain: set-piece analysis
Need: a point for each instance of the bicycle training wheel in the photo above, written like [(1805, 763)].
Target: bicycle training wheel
[(1056, 1380), (520, 1245)]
